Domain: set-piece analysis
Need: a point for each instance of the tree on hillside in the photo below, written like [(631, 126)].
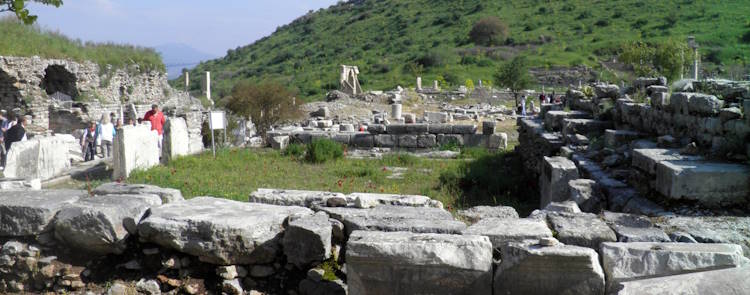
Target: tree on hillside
[(668, 58), (19, 8), (514, 75), (489, 31), (266, 104)]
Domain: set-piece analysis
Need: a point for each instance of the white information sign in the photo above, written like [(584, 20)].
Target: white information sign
[(217, 120)]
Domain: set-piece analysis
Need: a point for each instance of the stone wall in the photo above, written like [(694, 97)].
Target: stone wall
[(404, 136), (26, 83), (128, 238), (40, 158)]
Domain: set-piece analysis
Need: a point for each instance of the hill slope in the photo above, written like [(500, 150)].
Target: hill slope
[(386, 37), (17, 39)]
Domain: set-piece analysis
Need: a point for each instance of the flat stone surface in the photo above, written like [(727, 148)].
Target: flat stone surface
[(219, 231), (711, 184), (369, 200), (616, 138), (167, 195), (99, 225), (503, 231), (409, 263), (294, 197), (42, 157), (474, 214), (397, 218), (642, 260), (634, 228), (580, 229), (647, 159), (28, 213), (567, 206), (725, 229), (586, 194), (528, 268), (307, 240), (732, 281)]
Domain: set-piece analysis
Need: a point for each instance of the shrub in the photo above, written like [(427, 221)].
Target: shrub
[(746, 37), (265, 103), (489, 31), (323, 150), (295, 150)]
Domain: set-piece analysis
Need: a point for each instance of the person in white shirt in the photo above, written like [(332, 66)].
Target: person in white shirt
[(107, 135)]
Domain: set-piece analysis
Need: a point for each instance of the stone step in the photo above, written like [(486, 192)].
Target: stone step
[(711, 184), (586, 127), (502, 231), (553, 120), (396, 218)]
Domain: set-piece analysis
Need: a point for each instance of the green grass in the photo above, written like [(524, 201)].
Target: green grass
[(17, 39), (235, 173), (384, 37)]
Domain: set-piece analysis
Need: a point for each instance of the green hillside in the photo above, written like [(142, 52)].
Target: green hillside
[(17, 39), (387, 38)]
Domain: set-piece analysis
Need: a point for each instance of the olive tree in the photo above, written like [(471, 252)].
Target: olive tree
[(265, 103)]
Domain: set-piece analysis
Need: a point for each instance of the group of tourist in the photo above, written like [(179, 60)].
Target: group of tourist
[(11, 130), (543, 99), (99, 136)]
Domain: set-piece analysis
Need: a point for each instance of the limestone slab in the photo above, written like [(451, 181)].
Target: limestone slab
[(219, 231), (528, 268), (409, 263), (641, 260), (135, 147), (709, 183), (707, 229), (42, 157), (307, 240), (504, 231), (732, 281), (369, 200), (167, 195), (27, 213), (397, 218), (176, 139), (580, 229), (553, 181), (474, 214), (99, 225)]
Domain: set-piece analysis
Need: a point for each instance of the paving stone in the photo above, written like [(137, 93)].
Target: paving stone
[(580, 229), (397, 218), (503, 231)]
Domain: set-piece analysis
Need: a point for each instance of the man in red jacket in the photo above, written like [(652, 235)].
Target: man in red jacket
[(157, 120)]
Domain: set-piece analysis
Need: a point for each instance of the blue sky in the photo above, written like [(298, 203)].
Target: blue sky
[(209, 26)]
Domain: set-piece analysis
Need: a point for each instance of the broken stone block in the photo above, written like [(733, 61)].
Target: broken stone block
[(167, 195), (615, 138), (308, 240), (586, 127), (385, 140), (474, 214), (464, 129), (711, 184), (176, 139), (679, 102), (567, 206), (39, 157), (440, 129), (279, 142), (28, 213), (528, 268), (397, 218), (502, 231), (426, 141), (708, 229), (553, 181), (580, 229), (369, 200), (647, 159), (553, 120), (376, 129), (408, 141), (436, 117), (99, 225), (488, 127), (409, 263), (729, 114), (634, 228), (660, 100), (294, 197), (362, 140), (586, 194), (705, 104), (731, 281), (241, 233), (632, 261), (603, 90), (346, 128)]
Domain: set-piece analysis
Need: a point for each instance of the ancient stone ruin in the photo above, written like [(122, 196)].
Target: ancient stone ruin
[(349, 81)]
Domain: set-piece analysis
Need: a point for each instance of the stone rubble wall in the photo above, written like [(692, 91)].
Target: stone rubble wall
[(401, 136), (371, 243), (22, 80)]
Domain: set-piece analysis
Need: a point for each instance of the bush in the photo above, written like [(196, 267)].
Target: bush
[(295, 150), (489, 31), (266, 104), (323, 150)]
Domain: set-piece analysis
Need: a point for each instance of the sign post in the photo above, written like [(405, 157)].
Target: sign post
[(216, 121)]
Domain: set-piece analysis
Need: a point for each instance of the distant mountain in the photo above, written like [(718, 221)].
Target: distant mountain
[(178, 56), (392, 41)]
